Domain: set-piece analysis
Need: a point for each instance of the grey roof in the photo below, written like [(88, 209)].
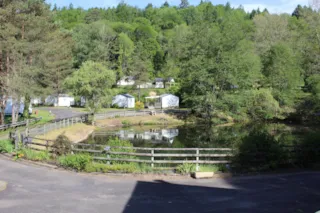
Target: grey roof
[(158, 80), (164, 95), (127, 95)]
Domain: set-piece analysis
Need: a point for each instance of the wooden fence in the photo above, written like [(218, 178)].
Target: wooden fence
[(152, 156), (133, 113), (18, 124), (41, 130), (160, 156)]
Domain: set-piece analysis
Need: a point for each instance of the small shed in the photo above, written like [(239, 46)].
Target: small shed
[(124, 101), (62, 100), (163, 101)]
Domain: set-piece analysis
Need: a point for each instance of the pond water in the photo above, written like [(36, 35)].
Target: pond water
[(199, 136)]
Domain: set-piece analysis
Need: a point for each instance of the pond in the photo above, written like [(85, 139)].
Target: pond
[(191, 136)]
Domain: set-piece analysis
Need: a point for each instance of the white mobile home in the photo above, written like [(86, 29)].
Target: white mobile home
[(126, 81), (17, 107), (169, 101), (61, 100), (124, 101), (163, 101)]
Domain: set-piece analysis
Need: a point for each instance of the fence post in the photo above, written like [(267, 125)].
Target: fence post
[(197, 165), (152, 158), (108, 157), (44, 129), (47, 144)]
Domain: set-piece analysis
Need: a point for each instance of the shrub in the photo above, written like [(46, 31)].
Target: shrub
[(77, 161), (139, 105), (259, 151), (308, 152), (186, 168), (62, 145), (104, 168), (34, 155), (116, 142), (6, 146), (126, 123), (209, 168)]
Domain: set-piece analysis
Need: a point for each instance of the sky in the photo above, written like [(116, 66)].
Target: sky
[(274, 6)]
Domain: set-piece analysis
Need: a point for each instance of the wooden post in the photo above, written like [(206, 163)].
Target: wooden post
[(152, 157), (108, 157), (44, 129), (47, 144), (197, 165)]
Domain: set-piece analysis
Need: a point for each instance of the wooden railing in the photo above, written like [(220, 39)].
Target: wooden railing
[(18, 124), (157, 155)]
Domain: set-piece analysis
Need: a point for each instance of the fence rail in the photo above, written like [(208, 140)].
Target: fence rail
[(155, 155), (133, 113), (18, 124), (41, 130)]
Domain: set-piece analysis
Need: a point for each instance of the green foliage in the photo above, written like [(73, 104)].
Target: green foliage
[(259, 151), (62, 145), (139, 105), (121, 168), (185, 168), (126, 123), (116, 142), (34, 155), (308, 152), (92, 81), (6, 146), (209, 168), (75, 161)]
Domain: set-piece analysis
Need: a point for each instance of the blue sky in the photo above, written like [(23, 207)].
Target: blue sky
[(274, 6)]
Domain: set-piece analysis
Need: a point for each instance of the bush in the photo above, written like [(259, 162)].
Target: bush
[(126, 123), (62, 145), (116, 142), (259, 151), (78, 161), (186, 168), (139, 105), (104, 168), (6, 146), (34, 155), (308, 152), (209, 168)]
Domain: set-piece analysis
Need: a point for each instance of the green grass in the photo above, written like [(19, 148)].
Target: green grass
[(35, 155), (78, 161), (6, 146), (46, 116), (122, 168)]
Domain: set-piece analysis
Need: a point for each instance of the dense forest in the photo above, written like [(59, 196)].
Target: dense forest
[(228, 64)]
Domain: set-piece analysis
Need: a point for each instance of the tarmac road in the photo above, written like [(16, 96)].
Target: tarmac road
[(33, 189)]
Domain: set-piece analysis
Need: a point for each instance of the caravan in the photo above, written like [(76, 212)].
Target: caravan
[(18, 107)]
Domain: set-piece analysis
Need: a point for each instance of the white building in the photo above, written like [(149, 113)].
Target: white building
[(63, 100), (36, 101), (126, 81), (18, 106), (163, 101), (124, 101)]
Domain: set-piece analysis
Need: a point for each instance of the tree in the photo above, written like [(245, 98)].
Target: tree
[(184, 4), (166, 4), (93, 81)]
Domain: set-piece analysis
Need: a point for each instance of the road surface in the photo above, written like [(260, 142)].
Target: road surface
[(34, 189), (62, 113)]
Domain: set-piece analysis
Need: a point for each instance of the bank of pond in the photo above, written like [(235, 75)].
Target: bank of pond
[(237, 149)]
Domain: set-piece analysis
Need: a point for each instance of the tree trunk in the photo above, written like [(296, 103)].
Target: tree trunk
[(27, 101)]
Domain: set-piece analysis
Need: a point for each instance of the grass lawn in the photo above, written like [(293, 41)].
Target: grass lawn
[(46, 116), (162, 119), (75, 133)]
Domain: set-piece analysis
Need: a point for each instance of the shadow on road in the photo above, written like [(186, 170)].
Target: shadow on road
[(284, 194)]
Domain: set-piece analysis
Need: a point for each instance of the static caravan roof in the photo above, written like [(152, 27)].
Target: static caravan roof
[(127, 95)]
